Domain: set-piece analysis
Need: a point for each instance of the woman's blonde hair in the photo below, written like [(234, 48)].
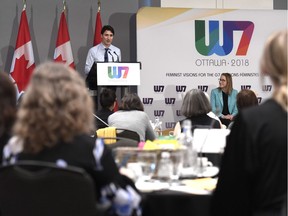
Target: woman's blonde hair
[(274, 64), (56, 107)]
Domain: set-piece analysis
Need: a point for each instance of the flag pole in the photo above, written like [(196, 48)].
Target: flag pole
[(24, 4), (99, 5), (64, 5)]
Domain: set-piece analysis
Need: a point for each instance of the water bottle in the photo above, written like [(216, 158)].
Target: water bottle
[(190, 155), (165, 167), (158, 126)]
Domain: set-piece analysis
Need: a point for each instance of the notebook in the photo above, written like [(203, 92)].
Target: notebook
[(210, 140)]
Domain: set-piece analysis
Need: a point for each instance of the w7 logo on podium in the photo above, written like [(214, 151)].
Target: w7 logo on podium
[(117, 72)]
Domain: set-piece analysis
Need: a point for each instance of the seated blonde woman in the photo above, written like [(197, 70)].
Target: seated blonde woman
[(53, 125)]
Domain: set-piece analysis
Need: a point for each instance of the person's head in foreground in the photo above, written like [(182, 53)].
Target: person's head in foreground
[(7, 104), (274, 65), (56, 107)]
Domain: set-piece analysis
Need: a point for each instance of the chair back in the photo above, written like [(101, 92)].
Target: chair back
[(107, 132), (124, 133), (113, 132), (39, 188), (120, 142)]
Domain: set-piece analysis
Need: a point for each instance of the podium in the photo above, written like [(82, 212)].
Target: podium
[(111, 75), (118, 73)]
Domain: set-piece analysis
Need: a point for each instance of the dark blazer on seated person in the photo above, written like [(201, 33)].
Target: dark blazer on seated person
[(96, 158)]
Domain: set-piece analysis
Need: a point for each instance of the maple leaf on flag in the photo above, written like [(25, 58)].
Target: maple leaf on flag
[(59, 59), (23, 64), (23, 73), (63, 50)]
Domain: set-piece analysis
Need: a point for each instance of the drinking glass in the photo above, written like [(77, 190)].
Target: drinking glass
[(177, 160), (147, 161)]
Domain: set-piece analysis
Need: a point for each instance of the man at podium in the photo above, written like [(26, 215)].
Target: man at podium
[(105, 48), (103, 52)]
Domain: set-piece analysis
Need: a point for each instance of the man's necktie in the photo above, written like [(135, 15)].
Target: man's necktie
[(106, 55)]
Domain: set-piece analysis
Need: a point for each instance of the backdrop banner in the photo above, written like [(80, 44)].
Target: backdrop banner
[(190, 48)]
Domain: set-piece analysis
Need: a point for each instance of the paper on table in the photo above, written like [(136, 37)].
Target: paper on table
[(145, 186), (190, 190), (208, 172), (196, 186), (207, 184)]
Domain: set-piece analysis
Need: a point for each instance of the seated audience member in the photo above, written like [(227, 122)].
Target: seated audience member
[(223, 99), (245, 98), (253, 172), (53, 124), (7, 109), (195, 107), (213, 115), (131, 116), (107, 102)]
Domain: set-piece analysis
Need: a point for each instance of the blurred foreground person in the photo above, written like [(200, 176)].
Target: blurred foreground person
[(7, 109), (53, 125), (253, 173)]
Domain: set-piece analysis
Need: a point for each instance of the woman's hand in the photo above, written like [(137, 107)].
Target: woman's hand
[(230, 117)]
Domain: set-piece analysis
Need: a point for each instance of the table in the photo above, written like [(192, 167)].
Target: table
[(189, 197), (172, 203)]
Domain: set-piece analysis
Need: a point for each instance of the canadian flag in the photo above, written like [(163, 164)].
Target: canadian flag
[(98, 28), (63, 50), (23, 59)]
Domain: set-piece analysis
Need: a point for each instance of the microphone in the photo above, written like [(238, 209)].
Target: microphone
[(118, 60), (111, 55)]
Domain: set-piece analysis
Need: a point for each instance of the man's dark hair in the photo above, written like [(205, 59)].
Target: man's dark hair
[(107, 97), (107, 28)]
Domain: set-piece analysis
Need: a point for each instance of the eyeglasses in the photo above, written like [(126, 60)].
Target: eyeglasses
[(222, 80)]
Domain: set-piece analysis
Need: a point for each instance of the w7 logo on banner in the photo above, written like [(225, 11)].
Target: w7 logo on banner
[(147, 100), (158, 88), (170, 100), (180, 88), (245, 87), (204, 88), (159, 113), (118, 72), (267, 88), (228, 41), (170, 124)]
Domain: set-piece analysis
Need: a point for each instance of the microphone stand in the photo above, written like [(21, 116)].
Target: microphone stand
[(111, 55), (118, 60), (101, 120)]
